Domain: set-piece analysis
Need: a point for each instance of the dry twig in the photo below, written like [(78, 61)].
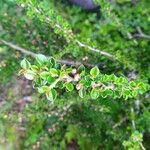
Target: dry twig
[(141, 34), (27, 52)]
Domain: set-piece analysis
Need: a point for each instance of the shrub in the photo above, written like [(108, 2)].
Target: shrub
[(94, 71)]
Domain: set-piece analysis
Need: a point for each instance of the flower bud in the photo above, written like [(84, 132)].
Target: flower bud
[(74, 71), (77, 77)]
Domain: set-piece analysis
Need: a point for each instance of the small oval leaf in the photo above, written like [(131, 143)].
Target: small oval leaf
[(29, 75), (25, 64), (94, 94), (41, 59), (82, 93), (94, 72), (69, 87), (54, 72)]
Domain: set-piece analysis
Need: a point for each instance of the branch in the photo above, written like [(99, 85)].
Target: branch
[(119, 123), (75, 63), (27, 52), (22, 50), (132, 120), (141, 34), (134, 128), (95, 50), (83, 45), (142, 146), (70, 34)]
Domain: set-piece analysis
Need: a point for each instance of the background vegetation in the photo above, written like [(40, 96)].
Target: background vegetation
[(120, 34)]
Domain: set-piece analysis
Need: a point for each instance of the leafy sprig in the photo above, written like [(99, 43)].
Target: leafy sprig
[(46, 13), (49, 76)]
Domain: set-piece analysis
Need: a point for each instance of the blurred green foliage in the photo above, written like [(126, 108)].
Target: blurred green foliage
[(72, 122)]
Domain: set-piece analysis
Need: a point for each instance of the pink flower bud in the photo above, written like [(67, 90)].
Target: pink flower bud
[(77, 77), (74, 71)]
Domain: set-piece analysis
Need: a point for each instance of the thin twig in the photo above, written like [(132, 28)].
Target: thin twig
[(142, 146), (132, 121), (27, 52), (95, 50), (80, 44), (134, 127), (70, 34), (75, 63), (22, 50), (141, 34), (119, 123)]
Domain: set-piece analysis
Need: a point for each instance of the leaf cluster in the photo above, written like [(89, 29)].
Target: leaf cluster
[(48, 76)]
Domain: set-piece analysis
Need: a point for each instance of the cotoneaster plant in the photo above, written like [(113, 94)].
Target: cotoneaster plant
[(48, 76)]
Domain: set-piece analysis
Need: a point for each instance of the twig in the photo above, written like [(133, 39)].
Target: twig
[(133, 122), (134, 127), (142, 146), (80, 44), (137, 105), (70, 34), (95, 50), (22, 50), (75, 63), (141, 34), (119, 123), (27, 52)]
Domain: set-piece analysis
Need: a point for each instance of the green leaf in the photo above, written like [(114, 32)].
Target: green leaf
[(133, 84), (112, 77), (43, 89), (53, 62), (107, 92), (25, 64), (34, 68), (44, 75), (81, 70), (69, 87), (54, 72), (94, 94), (41, 59), (135, 93), (94, 72), (88, 81), (60, 85), (142, 86), (82, 93), (127, 93), (50, 79), (51, 95), (62, 74), (69, 70), (29, 75), (117, 94), (121, 80)]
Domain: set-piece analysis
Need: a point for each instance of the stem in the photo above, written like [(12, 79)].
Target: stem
[(119, 123), (142, 146), (27, 52), (133, 122), (60, 79), (22, 50), (70, 35), (54, 83), (141, 34), (134, 127), (95, 50)]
